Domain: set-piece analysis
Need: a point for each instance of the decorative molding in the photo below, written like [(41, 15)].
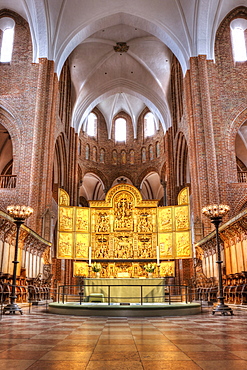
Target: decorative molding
[(28, 240), (121, 47)]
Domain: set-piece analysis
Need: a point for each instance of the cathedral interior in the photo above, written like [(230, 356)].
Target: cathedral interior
[(122, 126)]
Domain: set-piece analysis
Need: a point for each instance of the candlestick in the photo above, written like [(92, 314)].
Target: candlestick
[(89, 256), (158, 255)]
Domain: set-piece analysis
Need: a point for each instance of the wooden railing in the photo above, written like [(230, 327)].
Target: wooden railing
[(242, 176), (8, 181)]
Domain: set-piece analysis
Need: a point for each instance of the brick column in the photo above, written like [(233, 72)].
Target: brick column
[(43, 142), (201, 146)]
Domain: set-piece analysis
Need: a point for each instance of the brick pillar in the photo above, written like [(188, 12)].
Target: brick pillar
[(43, 143), (170, 186), (201, 145), (73, 168)]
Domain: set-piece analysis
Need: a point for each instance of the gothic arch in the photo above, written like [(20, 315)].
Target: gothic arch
[(181, 161), (10, 120), (92, 187), (60, 163), (237, 122)]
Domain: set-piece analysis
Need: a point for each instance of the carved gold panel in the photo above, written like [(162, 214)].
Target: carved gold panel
[(145, 221), (137, 270), (66, 218), (145, 247), (111, 270), (165, 219), (101, 246), (167, 268), (101, 220), (123, 211), (182, 221), (80, 269), (183, 245), (81, 245), (82, 219), (64, 199), (123, 246), (166, 245), (124, 227), (183, 196), (65, 245)]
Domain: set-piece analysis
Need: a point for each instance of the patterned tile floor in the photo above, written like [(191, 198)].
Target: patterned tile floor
[(42, 341)]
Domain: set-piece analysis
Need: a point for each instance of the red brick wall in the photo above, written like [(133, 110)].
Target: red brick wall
[(107, 171)]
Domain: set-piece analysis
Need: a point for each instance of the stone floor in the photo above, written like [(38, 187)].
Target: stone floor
[(38, 340)]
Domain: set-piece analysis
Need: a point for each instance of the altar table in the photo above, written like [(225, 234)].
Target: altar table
[(126, 290)]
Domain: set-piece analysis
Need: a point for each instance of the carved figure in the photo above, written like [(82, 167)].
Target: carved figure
[(66, 220), (183, 245), (182, 220), (102, 223), (123, 213), (65, 247)]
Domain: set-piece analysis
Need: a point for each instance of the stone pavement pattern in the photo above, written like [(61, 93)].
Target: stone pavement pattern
[(42, 341)]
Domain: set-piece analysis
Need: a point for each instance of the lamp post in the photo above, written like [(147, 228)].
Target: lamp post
[(20, 214), (215, 213)]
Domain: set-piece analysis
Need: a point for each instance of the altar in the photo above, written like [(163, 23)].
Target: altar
[(123, 234), (126, 290)]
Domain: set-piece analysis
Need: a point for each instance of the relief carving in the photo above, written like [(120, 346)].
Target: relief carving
[(124, 227), (182, 218), (81, 245), (65, 245), (103, 223), (123, 212), (165, 219), (183, 244), (66, 219)]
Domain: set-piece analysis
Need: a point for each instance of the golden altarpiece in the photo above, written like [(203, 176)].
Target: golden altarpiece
[(123, 233)]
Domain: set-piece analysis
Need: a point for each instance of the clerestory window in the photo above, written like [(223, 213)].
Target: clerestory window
[(238, 32), (7, 25), (149, 125), (120, 129), (92, 124)]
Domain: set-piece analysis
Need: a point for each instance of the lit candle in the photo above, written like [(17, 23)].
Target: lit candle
[(158, 255), (89, 256)]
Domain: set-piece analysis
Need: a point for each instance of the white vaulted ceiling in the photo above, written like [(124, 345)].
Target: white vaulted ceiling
[(85, 31), (121, 81)]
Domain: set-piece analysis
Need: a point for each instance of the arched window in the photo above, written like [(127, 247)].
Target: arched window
[(92, 124), (123, 157), (238, 28), (157, 149), (144, 155), (7, 25), (132, 156), (120, 129), (102, 155), (114, 157), (79, 147), (87, 152), (94, 154), (149, 124)]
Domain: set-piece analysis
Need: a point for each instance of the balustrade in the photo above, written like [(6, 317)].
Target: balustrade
[(242, 176), (8, 181)]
